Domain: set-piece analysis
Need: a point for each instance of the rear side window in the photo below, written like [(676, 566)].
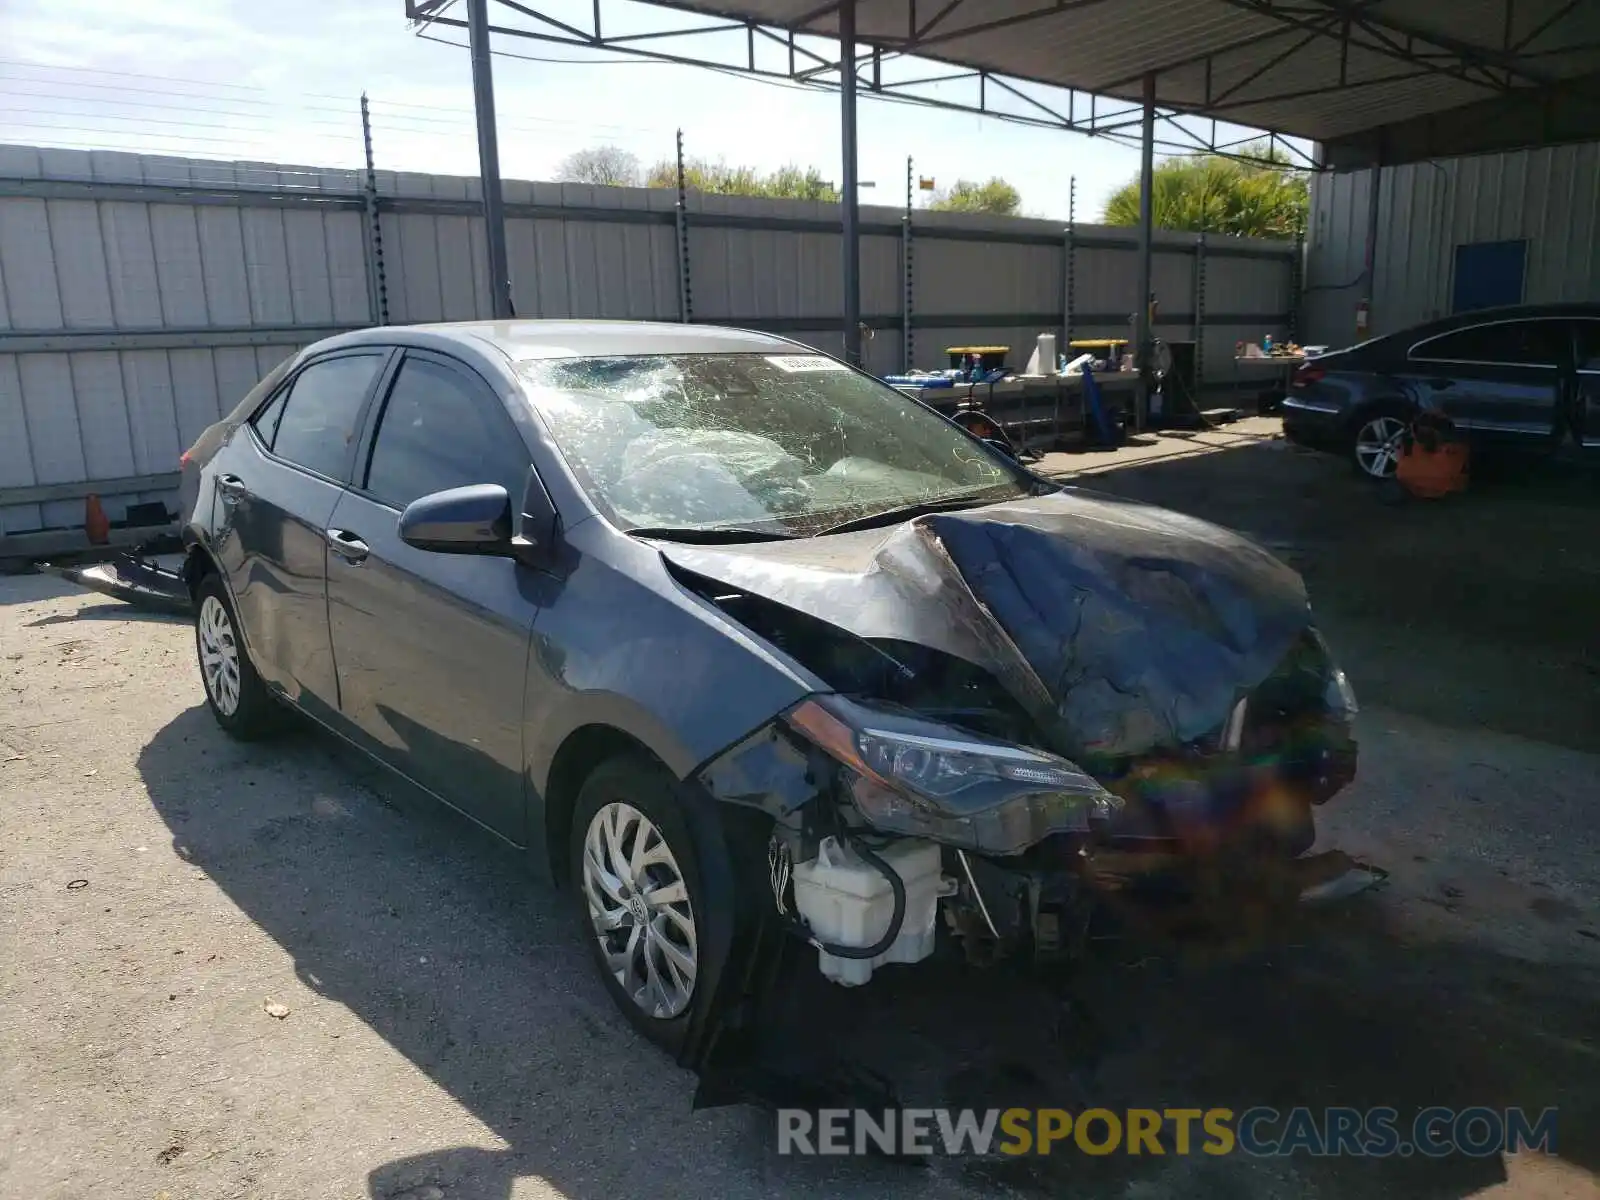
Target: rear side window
[(1509, 343), (319, 411), (442, 429), (1588, 345)]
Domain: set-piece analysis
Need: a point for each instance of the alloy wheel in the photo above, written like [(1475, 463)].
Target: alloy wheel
[(219, 656), (639, 910), (1378, 446)]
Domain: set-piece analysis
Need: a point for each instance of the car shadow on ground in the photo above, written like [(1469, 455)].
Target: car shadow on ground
[(360, 883), (115, 611)]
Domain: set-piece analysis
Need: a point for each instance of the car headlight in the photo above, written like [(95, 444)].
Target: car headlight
[(1337, 694), (923, 779)]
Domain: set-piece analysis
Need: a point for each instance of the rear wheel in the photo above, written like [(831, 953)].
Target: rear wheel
[(1376, 446), (234, 692)]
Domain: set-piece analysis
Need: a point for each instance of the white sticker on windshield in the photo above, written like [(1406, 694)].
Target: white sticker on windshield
[(797, 363)]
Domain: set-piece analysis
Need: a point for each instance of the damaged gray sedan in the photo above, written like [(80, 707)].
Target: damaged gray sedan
[(751, 651)]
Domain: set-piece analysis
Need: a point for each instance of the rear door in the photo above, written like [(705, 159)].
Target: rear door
[(432, 649), (276, 485), (1586, 411), (1499, 381)]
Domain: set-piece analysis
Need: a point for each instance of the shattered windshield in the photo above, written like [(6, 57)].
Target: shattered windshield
[(787, 442)]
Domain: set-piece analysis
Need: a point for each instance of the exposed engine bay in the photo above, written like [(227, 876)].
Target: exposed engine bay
[(1040, 711)]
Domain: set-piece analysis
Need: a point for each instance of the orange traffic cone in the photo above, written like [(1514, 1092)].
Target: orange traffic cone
[(95, 522)]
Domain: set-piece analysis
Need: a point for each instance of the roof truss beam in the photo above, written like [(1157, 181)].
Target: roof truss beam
[(1499, 70), (1176, 128)]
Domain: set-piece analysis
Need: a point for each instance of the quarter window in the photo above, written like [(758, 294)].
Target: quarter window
[(1519, 343), (439, 430), (317, 422), (267, 418)]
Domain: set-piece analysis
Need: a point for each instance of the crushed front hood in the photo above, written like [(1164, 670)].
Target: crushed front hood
[(1118, 626)]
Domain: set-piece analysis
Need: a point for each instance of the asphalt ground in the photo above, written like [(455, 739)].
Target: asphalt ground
[(167, 893)]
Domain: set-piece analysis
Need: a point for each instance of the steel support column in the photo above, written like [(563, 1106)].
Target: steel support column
[(1141, 315), (494, 213), (850, 199), (1369, 267)]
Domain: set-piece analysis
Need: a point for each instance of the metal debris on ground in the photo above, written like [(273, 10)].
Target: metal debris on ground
[(139, 581)]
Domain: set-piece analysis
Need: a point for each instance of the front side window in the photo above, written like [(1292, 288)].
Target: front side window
[(440, 431), (318, 420), (1508, 343), (792, 443)]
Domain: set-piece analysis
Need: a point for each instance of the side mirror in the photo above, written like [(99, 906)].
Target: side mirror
[(463, 520)]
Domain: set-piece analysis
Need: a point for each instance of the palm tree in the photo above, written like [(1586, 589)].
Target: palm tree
[(1211, 194)]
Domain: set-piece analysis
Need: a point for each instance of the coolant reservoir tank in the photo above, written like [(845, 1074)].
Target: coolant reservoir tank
[(848, 902)]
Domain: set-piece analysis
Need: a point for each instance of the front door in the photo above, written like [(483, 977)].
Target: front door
[(276, 486), (1500, 381), (432, 649)]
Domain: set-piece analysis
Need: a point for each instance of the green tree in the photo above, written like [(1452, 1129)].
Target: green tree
[(1210, 194), (604, 166), (719, 179), (997, 196)]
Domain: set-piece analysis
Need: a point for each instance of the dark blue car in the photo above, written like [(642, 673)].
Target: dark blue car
[(1522, 380)]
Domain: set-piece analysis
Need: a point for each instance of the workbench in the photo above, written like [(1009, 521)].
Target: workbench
[(1036, 411), (1273, 370)]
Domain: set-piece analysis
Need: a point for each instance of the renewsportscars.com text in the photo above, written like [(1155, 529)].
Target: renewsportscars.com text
[(1262, 1132)]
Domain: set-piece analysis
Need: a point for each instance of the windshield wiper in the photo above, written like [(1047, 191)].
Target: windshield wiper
[(710, 535), (905, 512)]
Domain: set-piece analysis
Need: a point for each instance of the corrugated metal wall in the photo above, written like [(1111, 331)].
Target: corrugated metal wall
[(142, 296), (1551, 197)]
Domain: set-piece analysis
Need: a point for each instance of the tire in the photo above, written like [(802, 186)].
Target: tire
[(645, 915), (1375, 441), (235, 694)]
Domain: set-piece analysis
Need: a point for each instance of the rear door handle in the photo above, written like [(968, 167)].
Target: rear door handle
[(347, 545)]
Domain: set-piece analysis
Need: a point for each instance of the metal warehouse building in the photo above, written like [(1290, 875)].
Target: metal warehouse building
[(1449, 235)]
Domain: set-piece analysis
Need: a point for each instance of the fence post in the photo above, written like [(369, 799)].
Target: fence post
[(681, 224), (1199, 316), (1296, 285), (1069, 267), (377, 283), (907, 338), (1070, 250)]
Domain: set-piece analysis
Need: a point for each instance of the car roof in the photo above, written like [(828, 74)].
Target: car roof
[(520, 340), (1510, 312)]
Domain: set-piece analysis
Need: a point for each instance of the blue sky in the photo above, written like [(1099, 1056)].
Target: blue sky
[(279, 82)]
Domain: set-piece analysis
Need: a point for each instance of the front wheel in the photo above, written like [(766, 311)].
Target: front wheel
[(636, 868), (1378, 441)]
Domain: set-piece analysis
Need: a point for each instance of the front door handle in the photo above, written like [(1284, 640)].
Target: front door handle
[(347, 545)]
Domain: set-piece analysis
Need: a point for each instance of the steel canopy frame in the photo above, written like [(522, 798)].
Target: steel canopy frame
[(984, 92), (806, 67)]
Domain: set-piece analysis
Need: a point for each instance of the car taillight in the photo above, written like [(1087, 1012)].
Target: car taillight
[(1309, 373), (183, 459)]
